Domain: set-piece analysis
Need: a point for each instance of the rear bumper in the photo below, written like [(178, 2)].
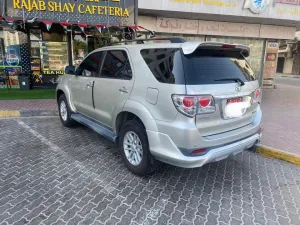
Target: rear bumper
[(165, 150)]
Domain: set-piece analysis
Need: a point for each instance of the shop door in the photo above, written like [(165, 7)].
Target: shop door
[(82, 85), (280, 65)]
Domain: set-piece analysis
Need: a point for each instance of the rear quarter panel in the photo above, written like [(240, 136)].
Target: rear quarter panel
[(164, 108)]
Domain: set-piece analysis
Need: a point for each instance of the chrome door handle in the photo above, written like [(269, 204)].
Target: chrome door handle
[(90, 85), (123, 90)]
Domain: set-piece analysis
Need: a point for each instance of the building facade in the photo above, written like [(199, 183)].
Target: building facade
[(40, 38), (259, 24)]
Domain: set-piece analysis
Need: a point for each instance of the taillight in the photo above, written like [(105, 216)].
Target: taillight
[(204, 101), (257, 96), (193, 105), (188, 101), (185, 104)]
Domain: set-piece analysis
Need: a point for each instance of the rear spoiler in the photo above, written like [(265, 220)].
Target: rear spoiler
[(190, 47)]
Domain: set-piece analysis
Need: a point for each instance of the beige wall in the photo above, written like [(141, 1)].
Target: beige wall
[(184, 26), (288, 65), (280, 10)]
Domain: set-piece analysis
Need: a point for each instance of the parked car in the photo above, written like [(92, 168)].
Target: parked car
[(185, 104)]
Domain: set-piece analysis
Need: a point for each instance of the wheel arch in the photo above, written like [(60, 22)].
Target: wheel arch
[(135, 111), (64, 90)]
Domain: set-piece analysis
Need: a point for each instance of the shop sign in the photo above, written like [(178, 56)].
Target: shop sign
[(53, 72), (114, 12), (13, 57), (12, 60), (272, 46), (270, 64)]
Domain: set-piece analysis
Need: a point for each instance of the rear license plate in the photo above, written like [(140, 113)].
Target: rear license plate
[(234, 100)]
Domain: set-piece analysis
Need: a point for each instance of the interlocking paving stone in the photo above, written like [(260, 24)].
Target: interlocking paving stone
[(50, 174)]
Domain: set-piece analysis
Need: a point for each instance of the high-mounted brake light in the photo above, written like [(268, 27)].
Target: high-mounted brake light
[(193, 105), (228, 46)]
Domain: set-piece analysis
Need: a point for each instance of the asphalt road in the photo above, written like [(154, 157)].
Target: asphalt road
[(287, 81), (53, 175)]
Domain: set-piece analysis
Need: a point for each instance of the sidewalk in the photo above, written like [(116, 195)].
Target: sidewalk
[(287, 75), (25, 108), (281, 118)]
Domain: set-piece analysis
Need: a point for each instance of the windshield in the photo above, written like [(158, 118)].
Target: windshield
[(209, 66)]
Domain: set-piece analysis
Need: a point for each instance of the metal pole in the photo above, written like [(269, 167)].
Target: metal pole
[(136, 12), (69, 41), (261, 77)]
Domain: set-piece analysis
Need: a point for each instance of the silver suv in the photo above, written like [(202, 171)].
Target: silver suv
[(185, 104)]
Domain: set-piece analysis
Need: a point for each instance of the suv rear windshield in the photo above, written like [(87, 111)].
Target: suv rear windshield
[(204, 66), (207, 66)]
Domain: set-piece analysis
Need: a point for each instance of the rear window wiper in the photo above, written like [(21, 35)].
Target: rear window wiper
[(237, 80)]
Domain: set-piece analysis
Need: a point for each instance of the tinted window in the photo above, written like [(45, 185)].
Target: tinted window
[(165, 64), (91, 65), (116, 65), (209, 66)]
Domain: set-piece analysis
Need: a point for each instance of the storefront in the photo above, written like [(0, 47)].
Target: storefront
[(42, 37), (259, 24)]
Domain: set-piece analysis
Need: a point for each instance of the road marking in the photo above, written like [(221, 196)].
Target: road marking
[(9, 113), (106, 185)]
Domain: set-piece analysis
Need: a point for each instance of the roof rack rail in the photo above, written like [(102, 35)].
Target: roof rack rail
[(141, 41)]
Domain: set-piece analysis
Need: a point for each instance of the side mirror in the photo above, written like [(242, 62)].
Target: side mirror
[(70, 70)]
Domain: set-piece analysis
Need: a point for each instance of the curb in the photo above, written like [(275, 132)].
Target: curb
[(289, 76), (274, 153), (27, 113)]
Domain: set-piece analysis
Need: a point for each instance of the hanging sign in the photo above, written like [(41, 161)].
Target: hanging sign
[(112, 12)]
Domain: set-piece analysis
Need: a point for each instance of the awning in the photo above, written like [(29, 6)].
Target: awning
[(23, 25)]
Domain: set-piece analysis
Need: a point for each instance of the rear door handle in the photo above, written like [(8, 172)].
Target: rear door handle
[(90, 84), (123, 90)]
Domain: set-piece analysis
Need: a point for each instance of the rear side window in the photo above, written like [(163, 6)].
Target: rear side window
[(116, 65), (91, 65), (165, 64), (208, 66)]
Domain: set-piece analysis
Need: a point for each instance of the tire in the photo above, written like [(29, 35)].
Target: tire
[(148, 164), (65, 118)]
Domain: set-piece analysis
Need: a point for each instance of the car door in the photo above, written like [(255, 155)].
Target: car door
[(114, 85), (82, 84)]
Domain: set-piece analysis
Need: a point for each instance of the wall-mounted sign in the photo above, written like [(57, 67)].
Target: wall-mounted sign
[(183, 26), (289, 2), (177, 25), (270, 65), (113, 12), (256, 6), (228, 29), (13, 57), (271, 57)]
